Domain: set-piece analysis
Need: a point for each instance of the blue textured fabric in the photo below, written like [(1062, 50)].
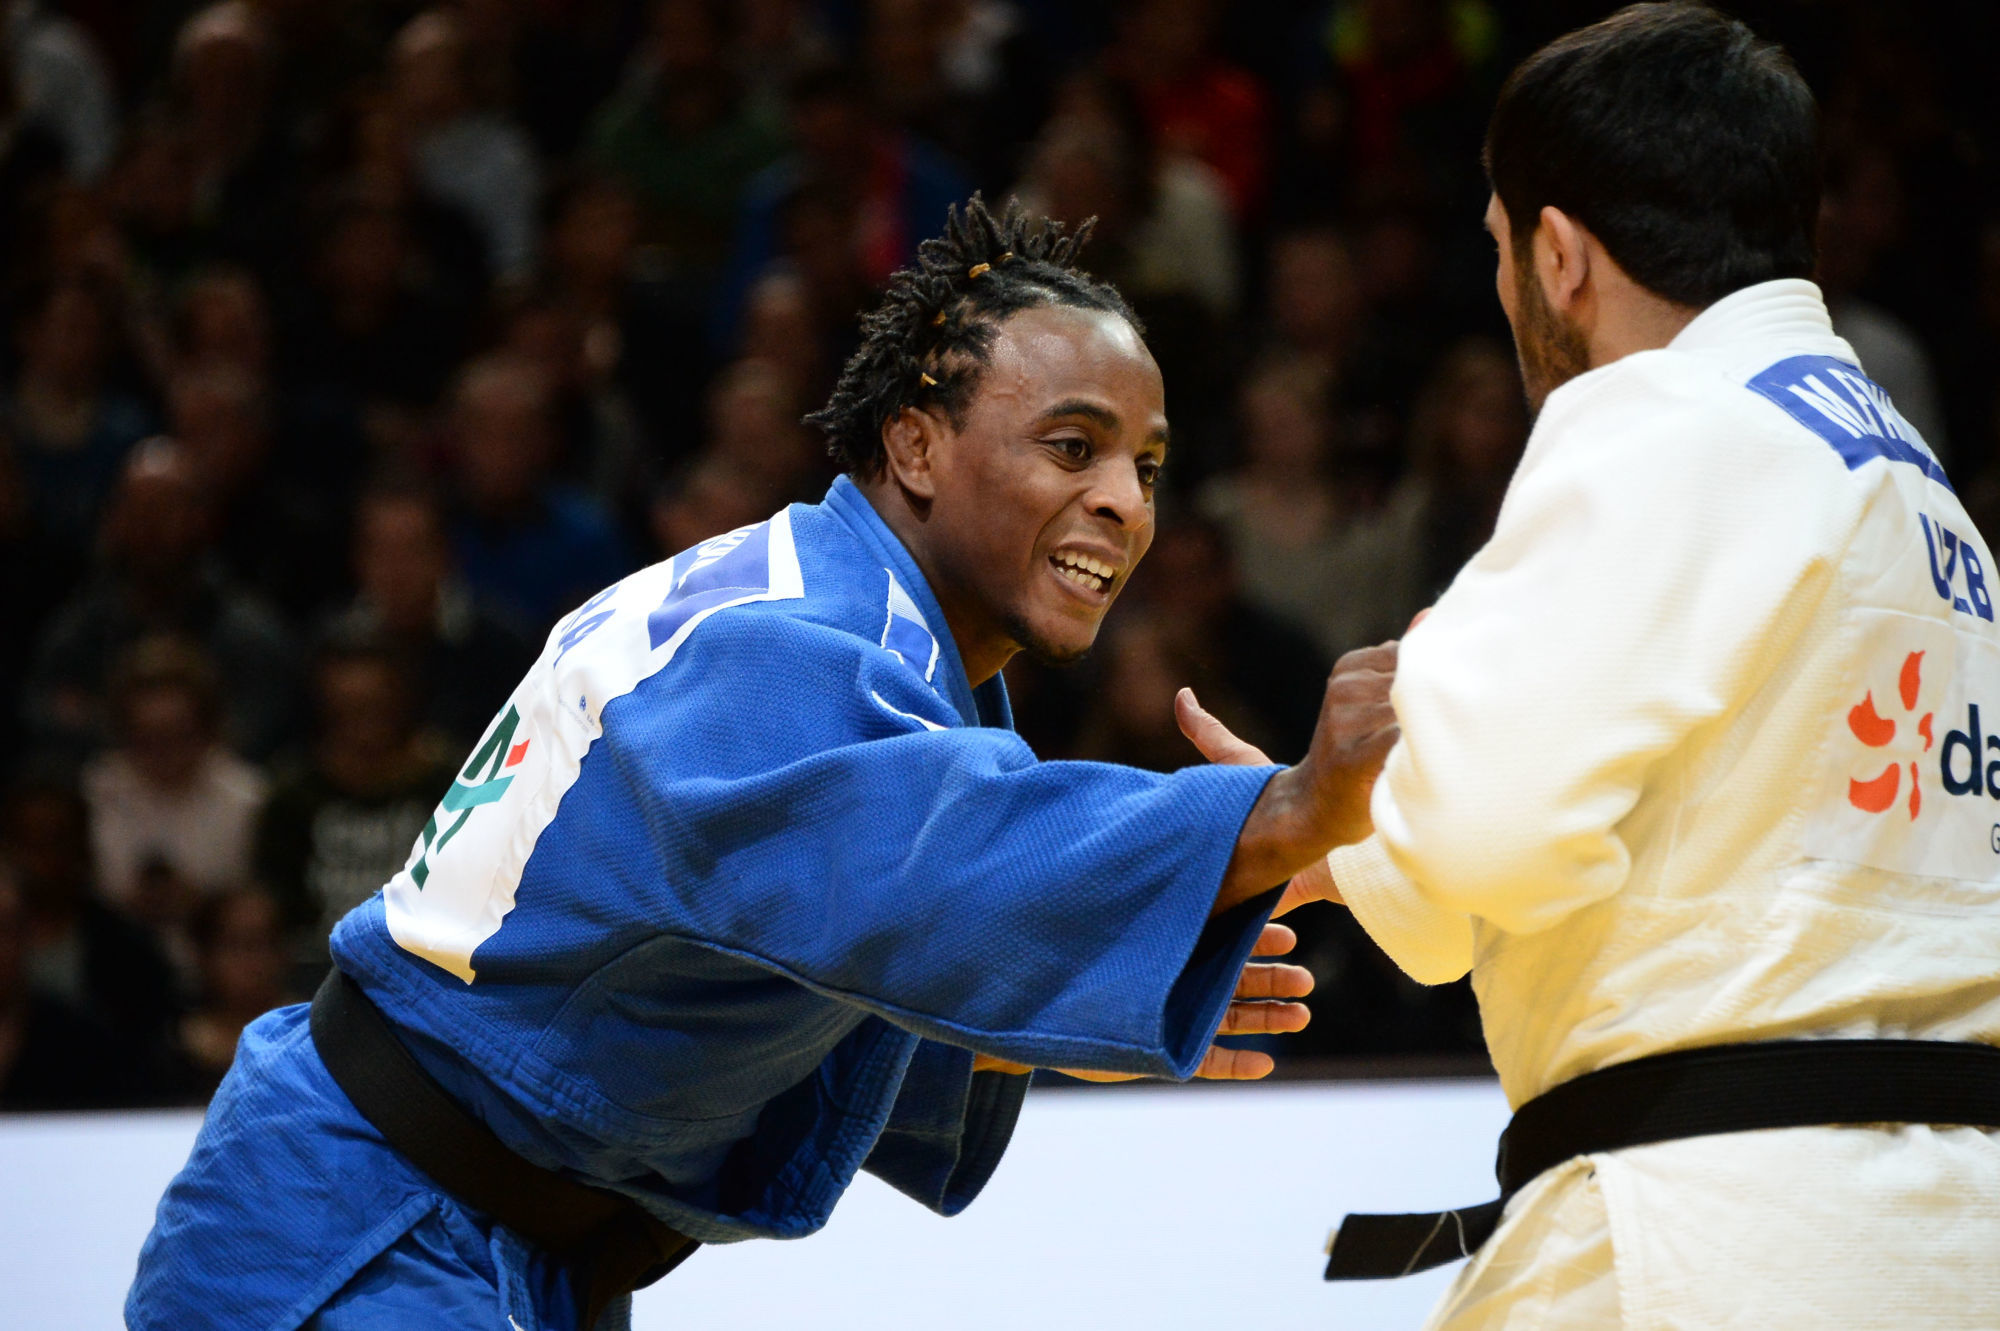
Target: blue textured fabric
[(795, 883)]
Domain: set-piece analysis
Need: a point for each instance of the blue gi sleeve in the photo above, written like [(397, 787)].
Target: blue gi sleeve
[(814, 806), (949, 1127)]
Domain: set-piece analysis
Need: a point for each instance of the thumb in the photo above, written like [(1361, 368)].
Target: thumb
[(1215, 740)]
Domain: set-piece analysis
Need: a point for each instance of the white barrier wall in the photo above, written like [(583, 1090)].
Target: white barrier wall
[(1198, 1207)]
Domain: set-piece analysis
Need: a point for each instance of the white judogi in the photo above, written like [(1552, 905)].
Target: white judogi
[(1696, 751)]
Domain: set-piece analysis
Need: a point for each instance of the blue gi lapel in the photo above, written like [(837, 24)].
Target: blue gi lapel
[(985, 706)]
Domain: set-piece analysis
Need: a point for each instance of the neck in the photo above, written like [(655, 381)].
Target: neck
[(1631, 319), (983, 643)]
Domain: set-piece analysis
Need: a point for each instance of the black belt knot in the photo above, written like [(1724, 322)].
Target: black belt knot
[(1688, 1093)]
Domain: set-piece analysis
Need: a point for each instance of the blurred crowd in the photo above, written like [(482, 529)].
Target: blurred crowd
[(348, 343)]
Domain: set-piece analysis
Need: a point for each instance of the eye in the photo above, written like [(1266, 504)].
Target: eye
[(1149, 472), (1074, 447)]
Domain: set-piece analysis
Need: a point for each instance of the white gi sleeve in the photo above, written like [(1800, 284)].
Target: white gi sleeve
[(1658, 550), (1432, 943)]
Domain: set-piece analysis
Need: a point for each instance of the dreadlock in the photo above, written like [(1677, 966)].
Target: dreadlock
[(930, 338)]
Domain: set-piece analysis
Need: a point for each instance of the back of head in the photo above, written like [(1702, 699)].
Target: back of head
[(1687, 145)]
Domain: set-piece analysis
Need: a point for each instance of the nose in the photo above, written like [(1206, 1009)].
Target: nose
[(1118, 496)]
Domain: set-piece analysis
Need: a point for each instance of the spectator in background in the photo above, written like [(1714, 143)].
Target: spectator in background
[(224, 320), (277, 529), (707, 497), (459, 657), (600, 446), (53, 1055), (753, 426), (965, 75), (683, 137), (70, 428), (1132, 721), (159, 575), (171, 810), (1465, 441), (1861, 217), (1267, 672), (61, 84), (465, 156), (643, 336), (1298, 515), (79, 950), (1164, 228), (1196, 102), (225, 65), (241, 963), (372, 336), (883, 187), (782, 327), (532, 545), (341, 823)]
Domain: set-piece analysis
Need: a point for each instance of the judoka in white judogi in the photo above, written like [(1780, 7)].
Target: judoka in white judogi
[(1704, 747)]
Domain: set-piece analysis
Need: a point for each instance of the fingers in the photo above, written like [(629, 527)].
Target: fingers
[(1215, 740), (1273, 979), (1265, 1019), (1422, 615), (1235, 1064), (1275, 941), (1380, 659)]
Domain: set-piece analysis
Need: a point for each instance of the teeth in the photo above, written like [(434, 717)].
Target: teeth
[(1092, 581), (1086, 564)]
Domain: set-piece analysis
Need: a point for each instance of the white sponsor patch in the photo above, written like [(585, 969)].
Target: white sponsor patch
[(1912, 783)]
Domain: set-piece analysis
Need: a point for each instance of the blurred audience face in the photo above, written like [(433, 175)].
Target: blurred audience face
[(427, 68), (1141, 677), (167, 733), (594, 237), (157, 525), (1165, 39), (1314, 296), (401, 559), (361, 262), (1190, 575), (713, 497), (1285, 427), (1485, 423), (242, 963), (224, 321), (754, 425), (779, 328), (65, 343), (47, 833), (222, 69), (1079, 169), (505, 442), (219, 416), (364, 706)]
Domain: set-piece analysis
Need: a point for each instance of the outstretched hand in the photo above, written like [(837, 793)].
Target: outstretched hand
[(1219, 744), (1263, 1005)]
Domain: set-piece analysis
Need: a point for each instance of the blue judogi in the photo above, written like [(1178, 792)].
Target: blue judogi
[(714, 916)]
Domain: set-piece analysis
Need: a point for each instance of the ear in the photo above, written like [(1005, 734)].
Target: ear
[(909, 443), (1562, 259)]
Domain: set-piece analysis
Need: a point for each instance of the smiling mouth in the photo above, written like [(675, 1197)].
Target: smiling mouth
[(1091, 575)]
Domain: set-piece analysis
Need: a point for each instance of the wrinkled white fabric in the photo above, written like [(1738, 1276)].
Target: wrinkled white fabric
[(1696, 751)]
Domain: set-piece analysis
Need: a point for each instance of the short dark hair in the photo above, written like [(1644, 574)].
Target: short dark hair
[(928, 340), (1685, 143)]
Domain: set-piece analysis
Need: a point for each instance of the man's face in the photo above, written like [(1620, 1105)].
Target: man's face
[(1552, 350), (1044, 500)]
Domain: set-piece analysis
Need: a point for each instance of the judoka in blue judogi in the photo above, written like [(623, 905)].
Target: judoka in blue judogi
[(714, 917)]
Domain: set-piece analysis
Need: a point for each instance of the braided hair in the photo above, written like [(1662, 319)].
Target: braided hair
[(929, 339)]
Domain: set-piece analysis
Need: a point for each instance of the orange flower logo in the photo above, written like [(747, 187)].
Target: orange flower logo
[(1877, 731)]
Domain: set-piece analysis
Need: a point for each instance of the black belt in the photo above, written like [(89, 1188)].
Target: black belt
[(611, 1245), (1690, 1093)]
